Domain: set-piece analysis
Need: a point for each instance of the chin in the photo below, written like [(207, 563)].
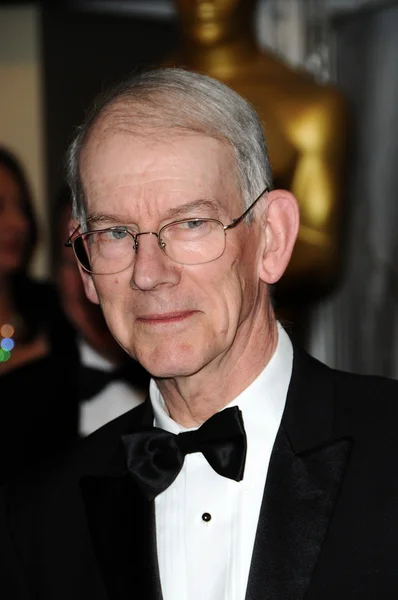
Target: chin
[(167, 365), (169, 371)]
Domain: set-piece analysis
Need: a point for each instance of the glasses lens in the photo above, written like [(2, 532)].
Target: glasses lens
[(80, 252), (105, 252), (194, 241)]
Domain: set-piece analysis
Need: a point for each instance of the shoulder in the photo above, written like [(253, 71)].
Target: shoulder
[(355, 405), (365, 405), (368, 385), (89, 456), (365, 395), (35, 504), (366, 413), (369, 400)]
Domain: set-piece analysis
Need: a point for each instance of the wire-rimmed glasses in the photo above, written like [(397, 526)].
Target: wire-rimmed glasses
[(187, 241)]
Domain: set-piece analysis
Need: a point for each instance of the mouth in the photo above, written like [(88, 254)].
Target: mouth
[(166, 318)]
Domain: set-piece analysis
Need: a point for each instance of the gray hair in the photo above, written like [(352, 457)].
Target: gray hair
[(182, 101)]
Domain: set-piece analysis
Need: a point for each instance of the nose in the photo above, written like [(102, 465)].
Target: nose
[(152, 268)]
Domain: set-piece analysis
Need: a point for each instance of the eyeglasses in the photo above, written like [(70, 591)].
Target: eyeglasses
[(187, 242)]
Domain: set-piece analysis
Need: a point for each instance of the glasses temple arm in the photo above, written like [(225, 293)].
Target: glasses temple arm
[(242, 216), (68, 242)]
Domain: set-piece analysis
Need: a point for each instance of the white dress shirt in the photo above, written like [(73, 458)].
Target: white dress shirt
[(116, 398), (209, 559)]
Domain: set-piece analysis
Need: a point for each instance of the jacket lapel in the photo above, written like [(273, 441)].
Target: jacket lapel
[(306, 470), (122, 527)]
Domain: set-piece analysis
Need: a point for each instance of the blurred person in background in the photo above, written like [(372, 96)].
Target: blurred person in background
[(109, 382), (38, 418)]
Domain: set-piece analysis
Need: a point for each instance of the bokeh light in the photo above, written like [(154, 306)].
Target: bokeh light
[(7, 343), (7, 330), (4, 355)]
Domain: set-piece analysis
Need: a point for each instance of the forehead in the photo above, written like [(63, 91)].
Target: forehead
[(119, 164)]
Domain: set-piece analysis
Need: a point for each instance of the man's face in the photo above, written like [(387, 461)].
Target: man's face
[(174, 319)]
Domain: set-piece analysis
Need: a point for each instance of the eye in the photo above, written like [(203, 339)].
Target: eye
[(194, 224), (117, 234), (190, 230)]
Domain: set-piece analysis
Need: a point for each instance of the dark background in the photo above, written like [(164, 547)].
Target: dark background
[(83, 53)]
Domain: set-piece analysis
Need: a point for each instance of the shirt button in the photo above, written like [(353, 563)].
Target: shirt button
[(206, 517)]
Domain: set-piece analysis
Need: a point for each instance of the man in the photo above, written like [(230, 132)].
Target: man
[(267, 475), (109, 382)]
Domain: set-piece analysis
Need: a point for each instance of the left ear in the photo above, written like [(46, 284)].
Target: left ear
[(282, 225)]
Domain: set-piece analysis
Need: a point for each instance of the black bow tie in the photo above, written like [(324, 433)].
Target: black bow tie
[(155, 456)]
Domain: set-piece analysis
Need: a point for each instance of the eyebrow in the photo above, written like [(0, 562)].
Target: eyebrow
[(174, 213), (106, 217), (189, 207)]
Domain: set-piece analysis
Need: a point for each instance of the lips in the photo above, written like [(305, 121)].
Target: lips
[(163, 318)]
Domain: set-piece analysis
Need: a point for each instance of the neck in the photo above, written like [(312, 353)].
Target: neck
[(192, 400), (217, 48)]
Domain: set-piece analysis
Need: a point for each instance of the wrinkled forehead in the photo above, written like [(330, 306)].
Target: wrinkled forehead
[(138, 127), (134, 133), (120, 163)]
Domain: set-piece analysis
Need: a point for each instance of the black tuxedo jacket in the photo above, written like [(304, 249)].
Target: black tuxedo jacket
[(328, 527)]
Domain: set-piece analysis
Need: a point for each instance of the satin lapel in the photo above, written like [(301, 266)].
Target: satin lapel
[(307, 466), (122, 528), (298, 503)]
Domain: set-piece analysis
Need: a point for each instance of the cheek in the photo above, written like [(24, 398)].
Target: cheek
[(116, 303), (222, 298), (239, 289)]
